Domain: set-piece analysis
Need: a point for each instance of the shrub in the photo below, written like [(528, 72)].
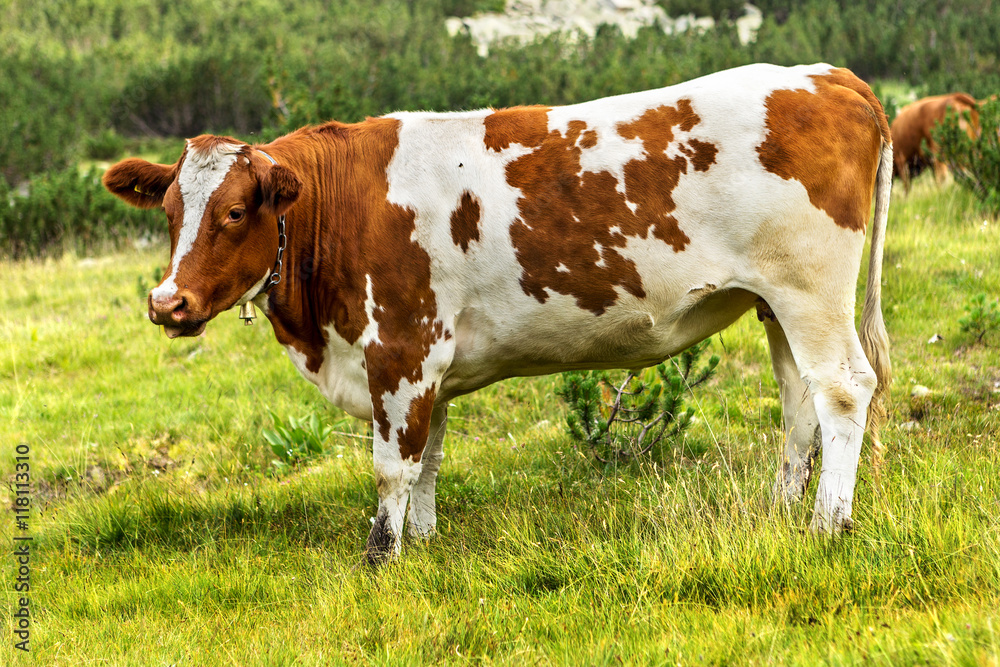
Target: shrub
[(105, 145), (66, 209), (974, 162), (296, 441), (40, 119), (221, 88)]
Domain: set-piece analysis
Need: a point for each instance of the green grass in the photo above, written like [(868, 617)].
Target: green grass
[(161, 535)]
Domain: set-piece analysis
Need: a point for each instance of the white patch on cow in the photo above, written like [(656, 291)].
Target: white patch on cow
[(253, 291), (201, 175), (600, 253), (612, 151), (299, 361), (562, 268), (262, 302), (435, 163), (370, 334), (342, 378)]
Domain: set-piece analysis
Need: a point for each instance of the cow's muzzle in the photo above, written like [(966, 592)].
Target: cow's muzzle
[(177, 315)]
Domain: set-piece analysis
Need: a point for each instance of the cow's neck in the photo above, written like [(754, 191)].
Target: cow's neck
[(325, 228)]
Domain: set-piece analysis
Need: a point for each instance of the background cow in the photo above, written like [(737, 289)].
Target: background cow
[(913, 126), (409, 259)]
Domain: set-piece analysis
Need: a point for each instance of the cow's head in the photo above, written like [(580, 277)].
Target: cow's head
[(222, 201)]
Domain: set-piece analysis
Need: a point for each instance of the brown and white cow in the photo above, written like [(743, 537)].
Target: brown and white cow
[(431, 254), (912, 127)]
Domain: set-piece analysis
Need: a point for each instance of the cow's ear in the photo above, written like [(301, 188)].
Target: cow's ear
[(138, 182), (279, 189)]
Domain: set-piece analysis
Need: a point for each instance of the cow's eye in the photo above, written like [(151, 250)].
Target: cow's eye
[(235, 215)]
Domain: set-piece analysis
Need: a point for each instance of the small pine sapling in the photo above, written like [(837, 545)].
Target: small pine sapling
[(981, 317), (627, 418)]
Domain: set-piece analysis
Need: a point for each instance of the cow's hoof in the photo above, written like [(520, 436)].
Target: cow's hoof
[(790, 487), (382, 543), (422, 533), (831, 525)]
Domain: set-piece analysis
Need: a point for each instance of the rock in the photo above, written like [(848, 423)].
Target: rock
[(525, 20), (748, 24), (921, 401)]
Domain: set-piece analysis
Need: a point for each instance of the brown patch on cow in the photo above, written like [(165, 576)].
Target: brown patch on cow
[(564, 239), (465, 221), (842, 401), (339, 263), (830, 141), (519, 125), (413, 437), (703, 155), (650, 183), (400, 273)]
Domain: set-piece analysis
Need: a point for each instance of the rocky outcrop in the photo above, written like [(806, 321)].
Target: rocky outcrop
[(525, 20)]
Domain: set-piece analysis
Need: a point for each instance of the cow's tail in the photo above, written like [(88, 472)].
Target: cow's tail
[(874, 339)]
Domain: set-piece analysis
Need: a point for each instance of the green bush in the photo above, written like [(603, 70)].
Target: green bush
[(222, 88), (105, 145), (717, 9), (975, 163), (296, 441), (938, 45), (41, 119), (65, 210)]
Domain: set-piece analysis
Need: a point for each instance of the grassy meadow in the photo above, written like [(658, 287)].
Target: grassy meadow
[(162, 534)]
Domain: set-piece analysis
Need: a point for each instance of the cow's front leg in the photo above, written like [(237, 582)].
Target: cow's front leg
[(394, 478), (403, 407)]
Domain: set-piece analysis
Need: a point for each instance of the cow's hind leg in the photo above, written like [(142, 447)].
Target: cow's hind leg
[(841, 381), (802, 429), (422, 519)]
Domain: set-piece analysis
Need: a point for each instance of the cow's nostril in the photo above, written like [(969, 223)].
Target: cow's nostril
[(173, 308)]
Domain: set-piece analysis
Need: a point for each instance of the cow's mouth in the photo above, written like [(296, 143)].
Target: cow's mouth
[(195, 329)]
